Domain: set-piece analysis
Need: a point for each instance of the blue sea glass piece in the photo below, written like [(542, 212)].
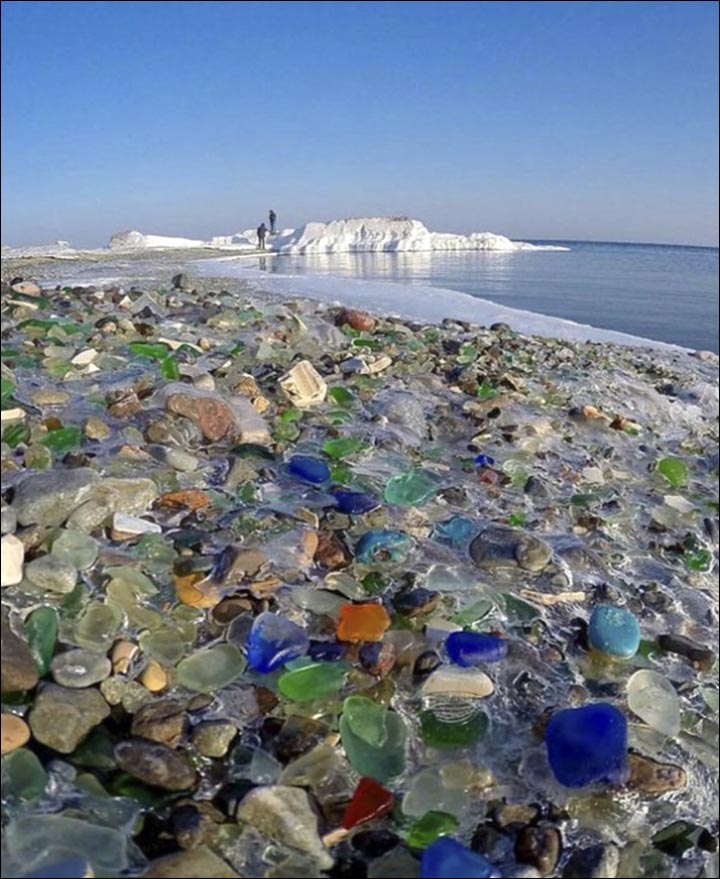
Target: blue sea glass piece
[(310, 469), (457, 530), (380, 546), (588, 744), (273, 641), (327, 651), (474, 648), (355, 503), (446, 858), (484, 460), (614, 631)]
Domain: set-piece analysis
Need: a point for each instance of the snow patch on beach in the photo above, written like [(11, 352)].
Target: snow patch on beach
[(419, 302), (57, 250)]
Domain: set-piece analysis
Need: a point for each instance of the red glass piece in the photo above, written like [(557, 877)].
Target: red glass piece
[(370, 800)]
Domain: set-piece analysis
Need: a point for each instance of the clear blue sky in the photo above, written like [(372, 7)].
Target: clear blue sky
[(537, 120)]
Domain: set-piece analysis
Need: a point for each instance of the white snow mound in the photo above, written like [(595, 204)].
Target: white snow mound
[(387, 235)]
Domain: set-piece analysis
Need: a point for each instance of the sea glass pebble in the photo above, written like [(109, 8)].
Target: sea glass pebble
[(588, 744), (273, 641), (381, 546), (446, 858), (313, 470), (474, 648), (614, 631), (654, 699), (355, 503)]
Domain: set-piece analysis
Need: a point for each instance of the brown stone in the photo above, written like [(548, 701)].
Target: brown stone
[(19, 671), (155, 764), (213, 416), (539, 846), (161, 721), (357, 320), (190, 499), (652, 777), (331, 552), (15, 733), (123, 403)]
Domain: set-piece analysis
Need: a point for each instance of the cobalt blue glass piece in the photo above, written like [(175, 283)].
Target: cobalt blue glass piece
[(484, 460), (273, 641), (327, 651), (446, 858), (456, 530), (474, 648), (614, 631), (310, 469), (355, 503), (380, 546), (587, 745)]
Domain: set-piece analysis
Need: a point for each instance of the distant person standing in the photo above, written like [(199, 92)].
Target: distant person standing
[(261, 233), (272, 216)]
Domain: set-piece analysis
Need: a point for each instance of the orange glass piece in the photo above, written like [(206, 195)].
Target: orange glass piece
[(362, 622)]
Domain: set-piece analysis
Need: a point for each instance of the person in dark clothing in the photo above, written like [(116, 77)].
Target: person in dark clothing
[(261, 233), (272, 216)]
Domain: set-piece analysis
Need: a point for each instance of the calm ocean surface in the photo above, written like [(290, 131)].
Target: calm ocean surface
[(656, 291)]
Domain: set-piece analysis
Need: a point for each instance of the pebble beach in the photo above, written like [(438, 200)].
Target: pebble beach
[(294, 589)]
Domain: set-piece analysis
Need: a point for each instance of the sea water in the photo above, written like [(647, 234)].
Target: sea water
[(662, 292)]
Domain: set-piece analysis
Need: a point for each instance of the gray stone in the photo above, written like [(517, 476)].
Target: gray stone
[(49, 498), (212, 738), (51, 573), (61, 717), (155, 764), (595, 862), (80, 668), (8, 518), (498, 546), (285, 814), (19, 671)]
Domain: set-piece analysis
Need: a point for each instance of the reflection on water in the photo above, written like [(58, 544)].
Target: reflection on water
[(659, 292)]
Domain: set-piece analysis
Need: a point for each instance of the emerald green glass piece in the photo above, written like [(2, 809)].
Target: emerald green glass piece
[(153, 350), (62, 439), (439, 734), (342, 396), (169, 368), (427, 829), (23, 776), (16, 434), (343, 446), (41, 630), (699, 560), (486, 391), (312, 681), (95, 752), (517, 519), (7, 386), (674, 470), (411, 489)]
